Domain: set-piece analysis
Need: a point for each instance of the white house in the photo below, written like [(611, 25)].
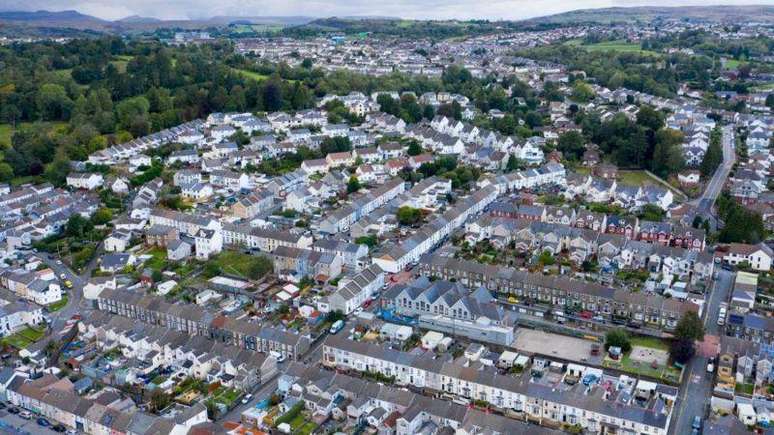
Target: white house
[(758, 256), (88, 181)]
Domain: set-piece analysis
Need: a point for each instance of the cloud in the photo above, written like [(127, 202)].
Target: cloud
[(415, 9)]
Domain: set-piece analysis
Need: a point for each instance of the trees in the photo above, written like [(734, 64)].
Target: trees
[(667, 154), (741, 225), (649, 117), (688, 330), (132, 112), (582, 92), (77, 226), (408, 215), (513, 164), (159, 400), (450, 110), (102, 216), (546, 258), (714, 155), (353, 185), (572, 145), (414, 148), (336, 144), (618, 338), (53, 103), (690, 327)]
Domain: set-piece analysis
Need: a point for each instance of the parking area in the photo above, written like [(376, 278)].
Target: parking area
[(15, 425), (559, 346)]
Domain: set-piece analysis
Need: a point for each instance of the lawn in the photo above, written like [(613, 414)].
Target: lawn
[(56, 306), (228, 397), (627, 364), (299, 425), (158, 261), (651, 342), (745, 389), (621, 46), (732, 64), (240, 264), (250, 74), (24, 338), (630, 177)]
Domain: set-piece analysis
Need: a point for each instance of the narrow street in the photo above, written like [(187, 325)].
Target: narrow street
[(703, 205), (696, 388), (75, 303)]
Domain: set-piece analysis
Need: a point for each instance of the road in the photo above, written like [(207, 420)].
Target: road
[(75, 302), (703, 206), (311, 356), (14, 425), (696, 388)]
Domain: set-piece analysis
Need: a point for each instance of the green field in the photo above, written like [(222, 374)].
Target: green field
[(250, 74), (732, 64), (621, 46)]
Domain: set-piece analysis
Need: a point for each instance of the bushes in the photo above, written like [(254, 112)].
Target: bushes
[(618, 338)]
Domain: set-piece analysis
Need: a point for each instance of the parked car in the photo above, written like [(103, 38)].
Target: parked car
[(13, 410), (59, 428), (43, 422), (25, 415), (696, 425)]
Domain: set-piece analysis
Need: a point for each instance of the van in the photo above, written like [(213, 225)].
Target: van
[(337, 326), (277, 356)]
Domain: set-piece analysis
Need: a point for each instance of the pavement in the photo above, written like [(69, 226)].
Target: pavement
[(696, 388), (14, 425)]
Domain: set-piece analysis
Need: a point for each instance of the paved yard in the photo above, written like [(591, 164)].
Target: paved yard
[(647, 355), (559, 346)]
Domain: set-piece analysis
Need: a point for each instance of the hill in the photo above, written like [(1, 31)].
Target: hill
[(721, 14), (63, 19)]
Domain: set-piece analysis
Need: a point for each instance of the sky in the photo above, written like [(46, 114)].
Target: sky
[(412, 9)]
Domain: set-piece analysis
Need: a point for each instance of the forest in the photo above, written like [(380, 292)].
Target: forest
[(61, 102)]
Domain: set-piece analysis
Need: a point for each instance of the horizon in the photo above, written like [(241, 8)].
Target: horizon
[(497, 10)]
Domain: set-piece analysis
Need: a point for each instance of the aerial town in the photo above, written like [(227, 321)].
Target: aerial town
[(556, 229)]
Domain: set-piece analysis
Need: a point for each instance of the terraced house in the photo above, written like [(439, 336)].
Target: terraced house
[(615, 304), (623, 406), (196, 321)]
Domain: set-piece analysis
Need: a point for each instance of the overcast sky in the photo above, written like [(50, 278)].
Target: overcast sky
[(418, 9)]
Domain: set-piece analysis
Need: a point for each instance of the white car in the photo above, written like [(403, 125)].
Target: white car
[(62, 276), (246, 399)]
